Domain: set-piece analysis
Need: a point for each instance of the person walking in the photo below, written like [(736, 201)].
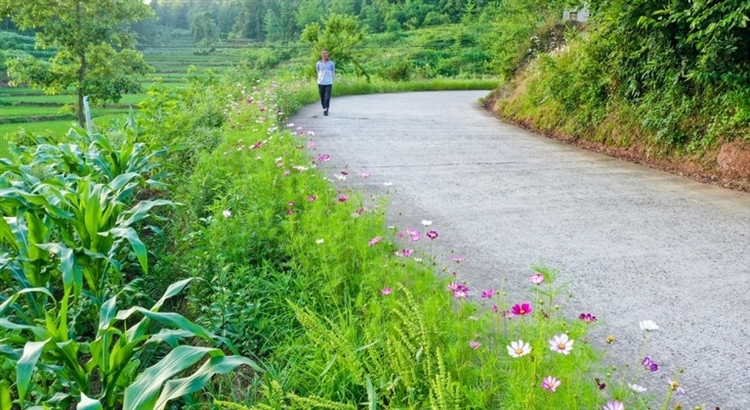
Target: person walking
[(326, 71)]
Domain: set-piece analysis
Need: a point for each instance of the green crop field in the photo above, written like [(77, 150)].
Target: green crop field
[(33, 111)]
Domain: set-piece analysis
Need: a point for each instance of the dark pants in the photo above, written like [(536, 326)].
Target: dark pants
[(325, 95)]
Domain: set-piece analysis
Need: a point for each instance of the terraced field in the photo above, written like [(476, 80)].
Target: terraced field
[(36, 112)]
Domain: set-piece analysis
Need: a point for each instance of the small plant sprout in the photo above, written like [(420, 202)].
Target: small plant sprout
[(518, 349), (648, 325), (550, 383), (561, 344)]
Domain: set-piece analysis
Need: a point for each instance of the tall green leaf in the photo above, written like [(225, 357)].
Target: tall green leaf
[(26, 365)]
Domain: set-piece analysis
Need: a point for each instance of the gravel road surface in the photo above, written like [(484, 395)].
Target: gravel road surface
[(632, 242)]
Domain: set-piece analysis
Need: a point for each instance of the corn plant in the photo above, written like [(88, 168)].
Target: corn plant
[(101, 371)]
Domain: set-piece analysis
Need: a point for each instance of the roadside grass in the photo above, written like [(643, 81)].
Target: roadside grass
[(303, 273)]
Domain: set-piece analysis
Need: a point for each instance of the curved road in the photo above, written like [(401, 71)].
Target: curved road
[(633, 243)]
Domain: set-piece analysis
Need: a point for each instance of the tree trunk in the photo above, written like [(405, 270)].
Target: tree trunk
[(79, 106)]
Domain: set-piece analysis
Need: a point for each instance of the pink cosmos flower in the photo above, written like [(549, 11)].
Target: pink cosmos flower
[(374, 240), (488, 294), (310, 144), (521, 309), (407, 252), (365, 174), (474, 344), (614, 405), (495, 308), (386, 291), (416, 237), (536, 278), (550, 383), (324, 158), (312, 198), (432, 234), (343, 198), (290, 203), (457, 259)]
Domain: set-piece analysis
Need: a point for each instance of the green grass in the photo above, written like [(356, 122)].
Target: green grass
[(60, 127), (332, 314)]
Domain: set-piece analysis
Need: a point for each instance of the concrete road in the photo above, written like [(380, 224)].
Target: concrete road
[(633, 243)]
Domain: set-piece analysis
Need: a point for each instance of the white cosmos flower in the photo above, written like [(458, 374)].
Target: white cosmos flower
[(227, 213), (387, 183), (561, 344), (319, 241), (636, 388), (518, 349), (648, 325), (425, 222)]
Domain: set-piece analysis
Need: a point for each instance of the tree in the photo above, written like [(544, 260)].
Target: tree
[(339, 37), (92, 43), (204, 29)]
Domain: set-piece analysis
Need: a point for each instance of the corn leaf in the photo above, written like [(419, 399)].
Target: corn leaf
[(143, 393), (26, 365), (88, 403), (180, 387)]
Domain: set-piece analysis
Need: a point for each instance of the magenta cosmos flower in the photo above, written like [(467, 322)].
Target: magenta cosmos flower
[(324, 158), (550, 383), (521, 309), (374, 240), (649, 364), (487, 294), (587, 317), (432, 234)]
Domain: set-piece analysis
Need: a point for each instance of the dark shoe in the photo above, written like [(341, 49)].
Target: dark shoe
[(325, 112)]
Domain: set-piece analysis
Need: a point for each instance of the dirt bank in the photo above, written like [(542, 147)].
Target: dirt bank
[(727, 166)]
